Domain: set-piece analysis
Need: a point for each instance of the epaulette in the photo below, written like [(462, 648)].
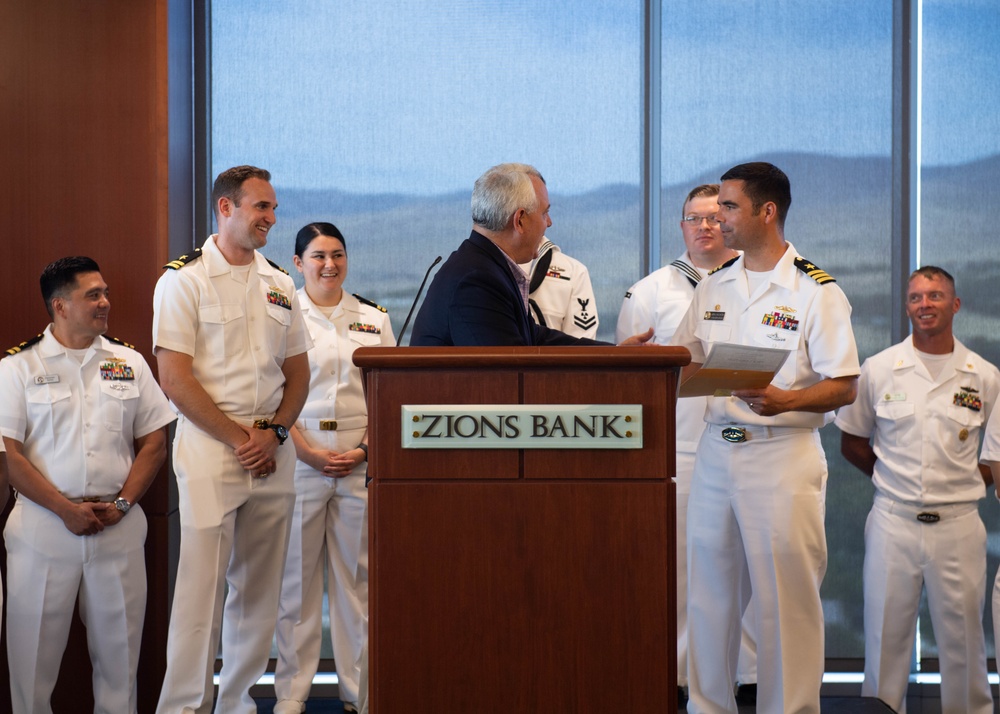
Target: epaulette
[(366, 301), (275, 266), (27, 344), (178, 263), (724, 265), (820, 276), (123, 343)]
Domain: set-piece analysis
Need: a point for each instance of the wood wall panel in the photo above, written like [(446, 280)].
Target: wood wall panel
[(90, 159)]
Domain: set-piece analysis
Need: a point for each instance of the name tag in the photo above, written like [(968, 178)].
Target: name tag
[(47, 379)]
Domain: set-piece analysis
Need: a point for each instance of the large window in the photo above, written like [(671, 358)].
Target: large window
[(379, 117)]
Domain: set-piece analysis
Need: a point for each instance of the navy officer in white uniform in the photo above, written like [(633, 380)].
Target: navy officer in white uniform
[(759, 482), (83, 422), (915, 430), (231, 345)]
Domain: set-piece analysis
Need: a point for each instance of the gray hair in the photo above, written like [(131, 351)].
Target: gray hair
[(500, 192)]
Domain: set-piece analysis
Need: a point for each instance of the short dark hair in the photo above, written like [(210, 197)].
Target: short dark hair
[(229, 184), (310, 231), (932, 271), (59, 277), (706, 190), (763, 182)]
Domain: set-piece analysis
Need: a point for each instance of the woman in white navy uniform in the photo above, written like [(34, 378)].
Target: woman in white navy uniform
[(330, 519)]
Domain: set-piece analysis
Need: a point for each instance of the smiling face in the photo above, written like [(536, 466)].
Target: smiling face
[(931, 305), (324, 266), (247, 223), (80, 313)]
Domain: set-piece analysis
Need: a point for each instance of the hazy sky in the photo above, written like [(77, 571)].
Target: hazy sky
[(421, 97)]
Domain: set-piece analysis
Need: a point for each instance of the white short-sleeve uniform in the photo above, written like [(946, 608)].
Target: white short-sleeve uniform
[(926, 439), (78, 424), (760, 503), (234, 527), (329, 523), (660, 301), (565, 298)]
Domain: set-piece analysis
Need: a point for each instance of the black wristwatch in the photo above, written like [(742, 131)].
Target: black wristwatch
[(279, 431)]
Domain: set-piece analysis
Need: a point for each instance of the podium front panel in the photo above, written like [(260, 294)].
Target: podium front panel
[(534, 580)]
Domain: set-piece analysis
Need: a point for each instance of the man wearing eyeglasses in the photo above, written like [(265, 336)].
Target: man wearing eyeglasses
[(915, 430), (759, 481), (660, 300)]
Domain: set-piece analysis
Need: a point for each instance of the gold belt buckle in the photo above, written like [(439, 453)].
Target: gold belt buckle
[(734, 435), (328, 425), (261, 424), (90, 499)]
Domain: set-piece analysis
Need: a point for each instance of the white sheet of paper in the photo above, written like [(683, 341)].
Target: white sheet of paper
[(724, 355)]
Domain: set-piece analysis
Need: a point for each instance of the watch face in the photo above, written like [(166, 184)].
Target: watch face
[(281, 432)]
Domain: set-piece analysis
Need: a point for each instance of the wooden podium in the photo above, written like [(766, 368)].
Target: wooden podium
[(522, 580)]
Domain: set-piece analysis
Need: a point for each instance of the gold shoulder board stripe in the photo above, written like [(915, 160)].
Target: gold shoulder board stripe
[(818, 274), (368, 302), (276, 266), (178, 263), (27, 344), (724, 265), (123, 343)]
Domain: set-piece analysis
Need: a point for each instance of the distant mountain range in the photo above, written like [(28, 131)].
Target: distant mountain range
[(841, 218)]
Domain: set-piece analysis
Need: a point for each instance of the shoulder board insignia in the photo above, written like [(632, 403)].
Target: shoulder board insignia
[(276, 266), (368, 302), (123, 343), (178, 263), (27, 344), (724, 265), (820, 276)]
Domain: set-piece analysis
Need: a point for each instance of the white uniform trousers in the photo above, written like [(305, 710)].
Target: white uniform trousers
[(47, 569), (904, 556), (759, 526), (234, 530), (746, 671), (328, 527)]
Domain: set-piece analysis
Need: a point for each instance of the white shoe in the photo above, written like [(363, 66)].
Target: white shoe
[(289, 706)]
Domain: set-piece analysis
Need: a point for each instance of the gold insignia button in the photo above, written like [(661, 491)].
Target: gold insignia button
[(718, 307), (963, 435)]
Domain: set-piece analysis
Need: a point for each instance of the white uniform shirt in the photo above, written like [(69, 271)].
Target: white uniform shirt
[(566, 296), (78, 421), (335, 388), (238, 331), (660, 300), (790, 311), (926, 430)]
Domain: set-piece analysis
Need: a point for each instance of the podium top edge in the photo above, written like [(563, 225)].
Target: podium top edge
[(641, 357)]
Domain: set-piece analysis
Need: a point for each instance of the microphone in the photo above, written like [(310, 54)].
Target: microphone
[(417, 297)]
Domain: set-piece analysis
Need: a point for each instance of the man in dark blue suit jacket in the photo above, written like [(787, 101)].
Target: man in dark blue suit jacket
[(479, 297)]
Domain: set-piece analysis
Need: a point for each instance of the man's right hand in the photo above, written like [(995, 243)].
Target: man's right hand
[(81, 518)]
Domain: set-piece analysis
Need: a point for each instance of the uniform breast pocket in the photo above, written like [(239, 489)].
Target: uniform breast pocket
[(711, 332), (216, 322), (895, 419), (777, 338), (119, 399), (964, 425), (50, 405), (364, 339), (283, 316)]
